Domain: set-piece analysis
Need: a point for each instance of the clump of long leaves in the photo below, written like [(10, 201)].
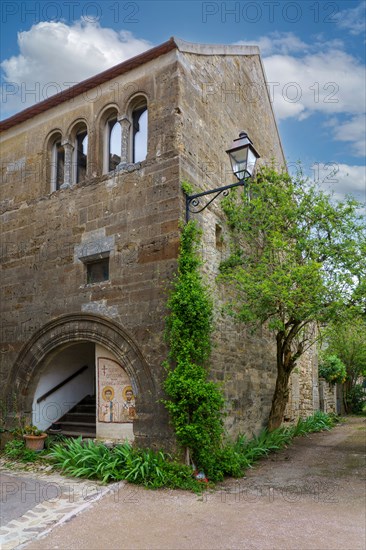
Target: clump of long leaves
[(236, 457), (145, 467), (156, 469), (318, 422), (86, 459)]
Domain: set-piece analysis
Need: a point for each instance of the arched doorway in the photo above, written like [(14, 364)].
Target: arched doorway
[(65, 377), (100, 347)]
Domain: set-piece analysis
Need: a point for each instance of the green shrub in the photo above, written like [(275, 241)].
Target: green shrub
[(332, 369), (232, 460), (356, 399)]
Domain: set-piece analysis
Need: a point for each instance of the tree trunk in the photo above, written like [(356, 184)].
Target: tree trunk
[(280, 398), (187, 457), (346, 387)]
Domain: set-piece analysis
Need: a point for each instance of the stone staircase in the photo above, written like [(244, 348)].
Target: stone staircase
[(79, 421)]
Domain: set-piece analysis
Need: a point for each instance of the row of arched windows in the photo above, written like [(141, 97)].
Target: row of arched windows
[(123, 140)]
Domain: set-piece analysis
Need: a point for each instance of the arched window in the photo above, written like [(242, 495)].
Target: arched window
[(113, 139), (139, 132), (57, 156), (124, 135), (111, 134), (80, 155)]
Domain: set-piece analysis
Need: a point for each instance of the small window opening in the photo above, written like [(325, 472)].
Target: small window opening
[(114, 144), (139, 134), (219, 237), (81, 155), (97, 271)]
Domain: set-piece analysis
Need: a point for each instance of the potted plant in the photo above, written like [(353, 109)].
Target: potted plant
[(34, 438)]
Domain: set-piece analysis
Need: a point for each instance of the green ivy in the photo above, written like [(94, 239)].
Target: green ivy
[(194, 402)]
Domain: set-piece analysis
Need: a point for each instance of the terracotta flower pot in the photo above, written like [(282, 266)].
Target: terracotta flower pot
[(35, 442)]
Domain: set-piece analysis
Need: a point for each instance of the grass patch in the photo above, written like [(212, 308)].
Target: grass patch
[(16, 450)]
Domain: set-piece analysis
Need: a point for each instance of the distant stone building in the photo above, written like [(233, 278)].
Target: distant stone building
[(91, 204)]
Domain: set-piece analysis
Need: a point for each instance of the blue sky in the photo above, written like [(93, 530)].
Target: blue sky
[(313, 53)]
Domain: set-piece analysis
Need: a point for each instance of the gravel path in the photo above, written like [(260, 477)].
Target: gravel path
[(310, 496)]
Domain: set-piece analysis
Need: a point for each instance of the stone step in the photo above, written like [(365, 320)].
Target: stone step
[(79, 417), (83, 408), (64, 423), (79, 421), (89, 400)]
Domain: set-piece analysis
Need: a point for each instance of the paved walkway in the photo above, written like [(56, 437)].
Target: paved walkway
[(33, 503), (310, 496)]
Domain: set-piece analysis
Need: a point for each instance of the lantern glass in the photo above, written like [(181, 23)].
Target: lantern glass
[(251, 160), (243, 157)]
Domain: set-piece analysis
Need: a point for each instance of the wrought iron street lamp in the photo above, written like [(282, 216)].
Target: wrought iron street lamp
[(243, 158)]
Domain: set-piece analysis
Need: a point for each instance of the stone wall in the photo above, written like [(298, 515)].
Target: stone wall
[(134, 213), (198, 101), (304, 388), (219, 98), (327, 396)]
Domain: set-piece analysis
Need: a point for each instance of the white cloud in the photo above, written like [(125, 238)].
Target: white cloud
[(352, 19), (317, 78), (327, 82), (53, 52), (341, 179), (321, 78), (352, 131), (277, 42), (308, 78), (286, 43)]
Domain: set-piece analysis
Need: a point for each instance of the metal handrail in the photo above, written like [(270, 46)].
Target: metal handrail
[(58, 386)]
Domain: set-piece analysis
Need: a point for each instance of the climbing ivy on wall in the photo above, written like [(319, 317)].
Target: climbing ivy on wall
[(194, 402)]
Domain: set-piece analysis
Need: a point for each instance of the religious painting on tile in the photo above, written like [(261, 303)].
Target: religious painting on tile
[(116, 399)]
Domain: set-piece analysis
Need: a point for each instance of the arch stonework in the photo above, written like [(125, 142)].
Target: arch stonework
[(74, 328)]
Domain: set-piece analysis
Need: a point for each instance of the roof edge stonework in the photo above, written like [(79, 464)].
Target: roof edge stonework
[(215, 49), (121, 68)]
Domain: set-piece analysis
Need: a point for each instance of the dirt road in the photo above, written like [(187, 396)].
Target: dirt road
[(310, 496)]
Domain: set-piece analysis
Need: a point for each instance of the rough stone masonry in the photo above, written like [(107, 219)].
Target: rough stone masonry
[(57, 224)]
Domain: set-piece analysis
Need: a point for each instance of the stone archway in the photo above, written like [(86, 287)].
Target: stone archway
[(73, 328)]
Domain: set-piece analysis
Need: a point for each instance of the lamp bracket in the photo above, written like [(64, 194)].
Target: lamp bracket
[(193, 202)]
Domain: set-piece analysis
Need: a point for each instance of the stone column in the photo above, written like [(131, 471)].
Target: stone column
[(68, 148), (125, 141)]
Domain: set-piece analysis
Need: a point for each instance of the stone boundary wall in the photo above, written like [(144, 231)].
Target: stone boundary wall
[(327, 396)]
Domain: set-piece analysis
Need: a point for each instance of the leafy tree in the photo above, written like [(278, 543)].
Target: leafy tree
[(298, 260), (346, 338)]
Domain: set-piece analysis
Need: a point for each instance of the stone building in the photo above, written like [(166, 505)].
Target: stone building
[(91, 204)]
